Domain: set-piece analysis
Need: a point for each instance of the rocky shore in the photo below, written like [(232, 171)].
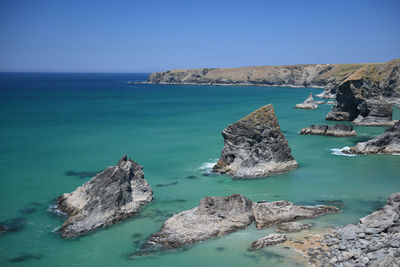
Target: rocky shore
[(255, 147), (386, 143), (217, 216), (113, 195), (338, 130)]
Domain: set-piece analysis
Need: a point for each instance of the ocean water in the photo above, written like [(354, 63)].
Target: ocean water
[(55, 125)]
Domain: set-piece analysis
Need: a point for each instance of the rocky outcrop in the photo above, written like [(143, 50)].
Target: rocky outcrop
[(255, 147), (386, 143), (291, 227), (217, 216), (363, 96), (310, 75), (337, 130), (267, 214), (374, 241), (111, 196), (309, 103), (269, 240)]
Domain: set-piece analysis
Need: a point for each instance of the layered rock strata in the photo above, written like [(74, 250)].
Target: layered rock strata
[(337, 130), (269, 240), (255, 147), (111, 196)]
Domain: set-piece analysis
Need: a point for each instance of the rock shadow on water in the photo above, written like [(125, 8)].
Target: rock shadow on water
[(12, 225), (169, 184), (25, 256), (82, 174)]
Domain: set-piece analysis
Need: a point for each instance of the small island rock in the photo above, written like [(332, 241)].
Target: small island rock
[(255, 147), (309, 103), (291, 227), (337, 130), (111, 196)]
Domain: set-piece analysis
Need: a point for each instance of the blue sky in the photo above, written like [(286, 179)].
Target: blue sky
[(147, 36)]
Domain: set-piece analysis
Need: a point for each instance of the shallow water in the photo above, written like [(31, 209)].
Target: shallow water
[(58, 129)]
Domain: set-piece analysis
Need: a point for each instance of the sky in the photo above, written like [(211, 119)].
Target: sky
[(150, 35)]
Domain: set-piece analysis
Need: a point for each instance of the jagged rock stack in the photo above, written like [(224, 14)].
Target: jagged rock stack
[(309, 103), (111, 196), (338, 130), (255, 147)]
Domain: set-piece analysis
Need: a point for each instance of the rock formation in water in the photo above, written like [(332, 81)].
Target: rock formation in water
[(374, 241), (111, 196), (217, 216), (269, 240), (364, 97), (309, 103), (255, 147), (338, 130), (386, 143), (267, 214)]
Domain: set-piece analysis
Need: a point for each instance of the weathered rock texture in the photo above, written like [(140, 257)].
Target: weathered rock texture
[(338, 130), (267, 214), (255, 147), (309, 103), (111, 196), (386, 143), (365, 95), (291, 227), (374, 241), (216, 216), (269, 240)]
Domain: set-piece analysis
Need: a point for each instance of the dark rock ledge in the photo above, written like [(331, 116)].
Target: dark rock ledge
[(217, 216), (111, 196), (255, 147), (386, 143), (338, 130)]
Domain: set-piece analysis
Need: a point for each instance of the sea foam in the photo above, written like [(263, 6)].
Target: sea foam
[(206, 167), (339, 151)]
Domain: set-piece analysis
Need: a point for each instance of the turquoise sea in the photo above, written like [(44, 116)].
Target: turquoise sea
[(54, 126)]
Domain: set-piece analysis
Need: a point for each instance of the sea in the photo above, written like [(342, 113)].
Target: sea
[(57, 130)]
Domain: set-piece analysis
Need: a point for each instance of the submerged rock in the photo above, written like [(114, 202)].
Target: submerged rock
[(12, 225), (255, 147), (338, 130), (291, 227), (216, 216), (386, 143), (111, 196), (269, 240), (309, 103), (272, 213)]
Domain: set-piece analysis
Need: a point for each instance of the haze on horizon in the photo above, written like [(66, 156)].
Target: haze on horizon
[(148, 36)]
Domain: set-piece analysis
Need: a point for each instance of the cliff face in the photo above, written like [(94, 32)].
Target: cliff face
[(365, 95)]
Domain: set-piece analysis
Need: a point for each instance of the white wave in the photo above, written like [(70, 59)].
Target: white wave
[(339, 151), (207, 166), (53, 209)]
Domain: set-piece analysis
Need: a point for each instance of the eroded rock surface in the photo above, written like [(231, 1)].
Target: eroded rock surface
[(338, 130), (255, 147), (386, 143), (291, 227), (111, 196), (309, 103), (267, 214), (269, 240), (216, 216)]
